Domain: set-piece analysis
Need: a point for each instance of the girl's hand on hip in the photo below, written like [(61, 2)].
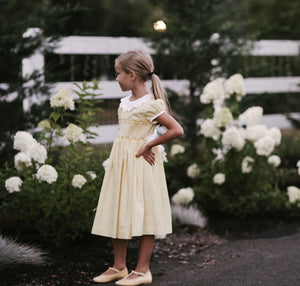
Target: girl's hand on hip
[(147, 153)]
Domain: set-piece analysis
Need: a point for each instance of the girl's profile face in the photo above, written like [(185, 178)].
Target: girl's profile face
[(123, 78)]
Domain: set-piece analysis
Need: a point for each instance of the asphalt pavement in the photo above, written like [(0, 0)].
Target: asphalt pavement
[(269, 259)]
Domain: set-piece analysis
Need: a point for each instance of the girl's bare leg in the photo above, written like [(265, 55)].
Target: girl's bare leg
[(146, 248), (120, 248)]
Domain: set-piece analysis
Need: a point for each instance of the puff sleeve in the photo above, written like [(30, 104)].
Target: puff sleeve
[(156, 108)]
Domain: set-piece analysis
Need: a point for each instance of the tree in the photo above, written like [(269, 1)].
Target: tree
[(199, 43), (273, 19), (15, 19), (100, 18)]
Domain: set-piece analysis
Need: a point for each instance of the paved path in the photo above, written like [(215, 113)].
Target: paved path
[(247, 262)]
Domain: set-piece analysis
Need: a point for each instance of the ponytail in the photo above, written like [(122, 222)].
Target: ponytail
[(158, 90)]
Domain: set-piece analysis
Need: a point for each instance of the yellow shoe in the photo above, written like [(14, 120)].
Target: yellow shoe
[(143, 279), (104, 278)]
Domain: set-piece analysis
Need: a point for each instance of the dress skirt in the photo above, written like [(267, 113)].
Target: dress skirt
[(134, 198)]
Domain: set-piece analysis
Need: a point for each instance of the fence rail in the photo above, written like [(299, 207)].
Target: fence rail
[(80, 45), (111, 89)]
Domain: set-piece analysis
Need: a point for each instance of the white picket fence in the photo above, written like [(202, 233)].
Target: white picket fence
[(117, 45)]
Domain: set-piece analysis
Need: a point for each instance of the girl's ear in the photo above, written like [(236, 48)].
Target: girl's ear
[(132, 75)]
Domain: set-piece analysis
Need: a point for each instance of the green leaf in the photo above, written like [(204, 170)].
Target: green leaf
[(55, 115), (95, 86), (80, 94), (76, 84)]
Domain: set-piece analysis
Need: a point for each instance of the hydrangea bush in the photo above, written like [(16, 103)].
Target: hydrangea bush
[(53, 189), (237, 170)]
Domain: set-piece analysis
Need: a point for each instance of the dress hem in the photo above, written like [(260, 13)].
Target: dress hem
[(135, 235)]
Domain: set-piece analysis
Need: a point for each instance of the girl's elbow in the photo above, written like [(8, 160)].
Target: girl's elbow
[(180, 132)]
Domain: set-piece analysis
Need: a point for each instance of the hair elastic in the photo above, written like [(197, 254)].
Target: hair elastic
[(150, 73)]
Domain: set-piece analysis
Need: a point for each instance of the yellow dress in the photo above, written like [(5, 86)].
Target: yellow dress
[(134, 198)]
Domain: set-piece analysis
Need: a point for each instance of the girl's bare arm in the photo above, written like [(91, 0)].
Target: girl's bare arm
[(174, 131)]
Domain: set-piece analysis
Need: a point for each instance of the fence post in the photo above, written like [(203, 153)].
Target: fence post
[(35, 62)]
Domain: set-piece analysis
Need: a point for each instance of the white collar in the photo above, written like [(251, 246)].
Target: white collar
[(128, 105)]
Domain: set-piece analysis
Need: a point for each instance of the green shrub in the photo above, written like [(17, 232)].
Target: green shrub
[(56, 204), (243, 168)]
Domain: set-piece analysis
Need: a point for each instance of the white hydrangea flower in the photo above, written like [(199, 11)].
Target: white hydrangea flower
[(183, 196), (251, 116), (219, 178), (213, 92), (209, 129), (247, 164), (177, 149), (235, 84), (13, 184), (188, 215), (105, 163), (22, 159), (293, 194), (47, 173), (38, 153), (193, 171), (74, 133), (264, 146), (23, 141), (275, 133), (232, 137), (63, 98), (219, 154), (215, 37), (253, 133), (205, 98), (214, 62), (242, 132), (78, 181), (164, 157), (92, 175), (274, 160), (223, 117)]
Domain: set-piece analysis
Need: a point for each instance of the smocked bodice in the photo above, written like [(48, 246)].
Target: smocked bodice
[(136, 118)]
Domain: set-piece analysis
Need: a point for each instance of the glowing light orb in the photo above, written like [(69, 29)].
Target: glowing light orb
[(160, 26)]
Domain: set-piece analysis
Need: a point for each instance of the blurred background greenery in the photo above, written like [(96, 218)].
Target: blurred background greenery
[(247, 20), (243, 21)]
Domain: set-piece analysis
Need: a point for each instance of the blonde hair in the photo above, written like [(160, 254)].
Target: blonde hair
[(140, 62)]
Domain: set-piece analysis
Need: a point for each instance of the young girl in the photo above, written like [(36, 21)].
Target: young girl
[(134, 198)]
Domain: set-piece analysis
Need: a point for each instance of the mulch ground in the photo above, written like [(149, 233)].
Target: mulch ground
[(78, 263)]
